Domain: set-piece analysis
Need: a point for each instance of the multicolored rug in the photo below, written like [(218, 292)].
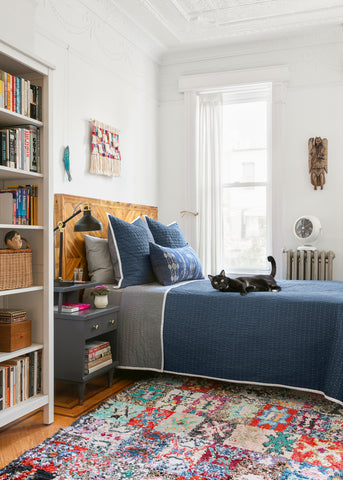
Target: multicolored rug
[(180, 428)]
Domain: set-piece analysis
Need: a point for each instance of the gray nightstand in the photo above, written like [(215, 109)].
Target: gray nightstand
[(73, 330)]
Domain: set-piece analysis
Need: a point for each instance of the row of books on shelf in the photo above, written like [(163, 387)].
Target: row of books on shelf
[(97, 355), (20, 379), (20, 147), (20, 96), (19, 205)]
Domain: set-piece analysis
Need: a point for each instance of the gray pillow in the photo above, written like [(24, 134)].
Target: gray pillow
[(100, 267)]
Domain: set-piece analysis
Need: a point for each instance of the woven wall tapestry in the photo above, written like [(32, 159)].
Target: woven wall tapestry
[(105, 154)]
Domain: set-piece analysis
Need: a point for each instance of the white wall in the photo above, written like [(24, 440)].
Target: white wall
[(99, 74), (313, 108)]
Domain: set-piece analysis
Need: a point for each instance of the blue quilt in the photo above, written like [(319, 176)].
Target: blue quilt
[(291, 338)]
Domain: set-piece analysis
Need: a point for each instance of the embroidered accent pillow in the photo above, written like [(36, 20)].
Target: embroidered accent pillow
[(166, 235), (129, 249), (173, 265)]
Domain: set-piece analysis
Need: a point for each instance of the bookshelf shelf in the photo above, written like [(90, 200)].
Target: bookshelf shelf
[(4, 356), (19, 291), (7, 172), (13, 118), (36, 300), (24, 408), (11, 226)]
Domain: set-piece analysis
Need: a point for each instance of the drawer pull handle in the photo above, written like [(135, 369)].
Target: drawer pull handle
[(96, 327), (111, 322)]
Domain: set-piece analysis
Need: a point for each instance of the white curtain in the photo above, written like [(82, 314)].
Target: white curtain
[(209, 181)]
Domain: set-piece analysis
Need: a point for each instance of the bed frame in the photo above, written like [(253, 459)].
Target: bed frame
[(74, 253)]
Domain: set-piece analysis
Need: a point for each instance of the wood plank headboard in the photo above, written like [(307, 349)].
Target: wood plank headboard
[(74, 253)]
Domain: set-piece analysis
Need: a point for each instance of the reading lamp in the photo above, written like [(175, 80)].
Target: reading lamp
[(86, 224)]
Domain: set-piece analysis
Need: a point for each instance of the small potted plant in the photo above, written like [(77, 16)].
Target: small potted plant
[(100, 294)]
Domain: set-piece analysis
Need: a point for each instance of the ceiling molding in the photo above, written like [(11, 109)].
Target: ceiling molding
[(189, 24)]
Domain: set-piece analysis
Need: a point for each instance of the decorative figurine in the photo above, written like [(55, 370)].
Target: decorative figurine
[(318, 160), (13, 240)]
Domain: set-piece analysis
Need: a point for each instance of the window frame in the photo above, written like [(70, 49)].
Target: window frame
[(249, 93), (190, 86)]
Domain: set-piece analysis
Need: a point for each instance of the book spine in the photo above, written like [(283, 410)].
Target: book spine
[(96, 348), (35, 206), (18, 80), (98, 367), (33, 150), (26, 163), (3, 148), (9, 91), (12, 148), (23, 206), (2, 93), (33, 109), (14, 93)]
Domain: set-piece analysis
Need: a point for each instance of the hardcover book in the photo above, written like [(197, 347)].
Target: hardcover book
[(73, 307)]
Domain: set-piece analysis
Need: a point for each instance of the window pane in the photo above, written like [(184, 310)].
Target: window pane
[(244, 229), (245, 166), (245, 141)]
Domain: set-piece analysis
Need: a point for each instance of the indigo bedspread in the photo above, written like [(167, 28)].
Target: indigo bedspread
[(291, 338)]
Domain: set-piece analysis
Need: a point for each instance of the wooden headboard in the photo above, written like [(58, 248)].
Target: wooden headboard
[(74, 253)]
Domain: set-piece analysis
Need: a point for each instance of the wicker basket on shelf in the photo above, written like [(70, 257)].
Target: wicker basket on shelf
[(16, 267)]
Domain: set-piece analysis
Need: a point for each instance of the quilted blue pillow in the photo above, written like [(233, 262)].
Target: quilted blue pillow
[(166, 235), (129, 249), (173, 265)]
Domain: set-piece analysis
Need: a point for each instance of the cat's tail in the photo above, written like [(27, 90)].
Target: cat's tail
[(272, 261)]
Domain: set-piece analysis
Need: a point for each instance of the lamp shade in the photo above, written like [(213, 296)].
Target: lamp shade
[(87, 223)]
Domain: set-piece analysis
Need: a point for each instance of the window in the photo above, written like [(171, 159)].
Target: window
[(246, 173)]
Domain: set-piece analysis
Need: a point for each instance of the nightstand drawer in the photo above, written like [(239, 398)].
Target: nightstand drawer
[(100, 325)]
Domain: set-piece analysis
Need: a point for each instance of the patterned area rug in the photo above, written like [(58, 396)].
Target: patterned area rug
[(180, 428)]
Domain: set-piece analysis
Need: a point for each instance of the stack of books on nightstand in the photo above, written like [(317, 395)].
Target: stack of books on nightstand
[(97, 355)]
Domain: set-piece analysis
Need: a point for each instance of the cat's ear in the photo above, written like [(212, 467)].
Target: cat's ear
[(210, 277), (222, 273)]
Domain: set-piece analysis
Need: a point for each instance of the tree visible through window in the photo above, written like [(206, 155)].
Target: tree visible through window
[(245, 181)]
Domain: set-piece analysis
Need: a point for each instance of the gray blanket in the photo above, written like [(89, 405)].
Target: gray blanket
[(140, 330)]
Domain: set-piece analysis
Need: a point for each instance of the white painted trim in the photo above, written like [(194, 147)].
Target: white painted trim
[(190, 222), (220, 80), (26, 58)]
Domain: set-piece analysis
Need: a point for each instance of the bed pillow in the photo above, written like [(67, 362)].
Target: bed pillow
[(129, 249), (166, 235), (173, 265), (99, 263)]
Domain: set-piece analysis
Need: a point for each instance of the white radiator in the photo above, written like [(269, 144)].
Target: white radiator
[(309, 264)]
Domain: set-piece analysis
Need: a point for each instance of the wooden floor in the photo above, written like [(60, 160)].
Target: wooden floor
[(24, 434)]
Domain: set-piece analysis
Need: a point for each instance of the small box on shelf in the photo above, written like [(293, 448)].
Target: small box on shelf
[(15, 336)]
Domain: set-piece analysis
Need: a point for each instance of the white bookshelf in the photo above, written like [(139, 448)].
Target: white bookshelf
[(37, 300)]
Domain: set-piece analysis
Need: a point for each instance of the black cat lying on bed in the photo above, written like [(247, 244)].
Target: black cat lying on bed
[(246, 284)]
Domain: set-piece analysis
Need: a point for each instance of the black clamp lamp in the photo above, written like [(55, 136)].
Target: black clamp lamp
[(87, 223)]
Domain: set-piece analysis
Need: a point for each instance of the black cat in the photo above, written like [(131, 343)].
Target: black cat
[(246, 284)]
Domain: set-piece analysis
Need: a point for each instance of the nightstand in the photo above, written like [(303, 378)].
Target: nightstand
[(73, 330)]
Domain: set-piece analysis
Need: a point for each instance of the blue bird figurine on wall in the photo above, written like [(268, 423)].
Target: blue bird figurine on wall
[(66, 161)]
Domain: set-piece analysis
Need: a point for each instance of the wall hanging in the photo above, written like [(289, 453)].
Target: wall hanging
[(105, 154), (318, 160)]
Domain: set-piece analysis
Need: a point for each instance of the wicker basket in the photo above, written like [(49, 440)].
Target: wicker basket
[(16, 268)]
